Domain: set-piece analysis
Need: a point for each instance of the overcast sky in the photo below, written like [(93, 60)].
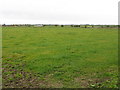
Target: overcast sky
[(59, 11)]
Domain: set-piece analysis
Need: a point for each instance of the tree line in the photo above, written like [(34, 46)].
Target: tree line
[(56, 25)]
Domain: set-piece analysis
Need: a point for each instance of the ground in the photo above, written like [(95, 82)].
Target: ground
[(60, 57)]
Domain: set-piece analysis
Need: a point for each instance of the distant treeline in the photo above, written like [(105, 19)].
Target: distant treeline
[(73, 25), (17, 25)]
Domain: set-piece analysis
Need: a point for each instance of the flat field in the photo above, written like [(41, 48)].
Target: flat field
[(60, 57)]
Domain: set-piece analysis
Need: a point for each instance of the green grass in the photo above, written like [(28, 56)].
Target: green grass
[(63, 56)]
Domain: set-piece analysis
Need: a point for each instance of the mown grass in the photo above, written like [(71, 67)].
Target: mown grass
[(61, 56)]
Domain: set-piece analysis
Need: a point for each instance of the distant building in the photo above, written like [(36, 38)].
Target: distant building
[(38, 25)]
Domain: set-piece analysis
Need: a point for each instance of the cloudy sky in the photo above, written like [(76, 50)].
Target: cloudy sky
[(59, 11)]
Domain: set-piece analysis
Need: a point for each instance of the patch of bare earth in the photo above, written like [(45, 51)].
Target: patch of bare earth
[(14, 76), (86, 82), (18, 78), (52, 82), (27, 80)]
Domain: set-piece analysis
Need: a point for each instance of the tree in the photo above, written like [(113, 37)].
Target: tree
[(62, 25)]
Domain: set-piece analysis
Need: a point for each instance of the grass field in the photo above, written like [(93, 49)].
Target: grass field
[(60, 57)]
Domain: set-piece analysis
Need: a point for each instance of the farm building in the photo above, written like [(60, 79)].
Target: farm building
[(38, 25)]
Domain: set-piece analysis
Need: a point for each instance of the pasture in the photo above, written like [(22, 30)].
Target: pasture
[(60, 57)]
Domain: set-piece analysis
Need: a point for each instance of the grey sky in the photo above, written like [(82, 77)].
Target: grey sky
[(59, 11)]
